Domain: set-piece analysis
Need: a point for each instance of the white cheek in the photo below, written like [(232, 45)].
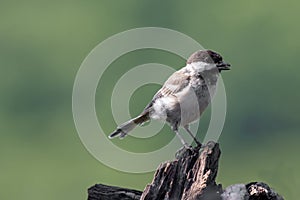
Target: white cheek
[(210, 66), (201, 66), (198, 65)]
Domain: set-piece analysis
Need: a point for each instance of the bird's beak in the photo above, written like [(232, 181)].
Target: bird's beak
[(223, 66)]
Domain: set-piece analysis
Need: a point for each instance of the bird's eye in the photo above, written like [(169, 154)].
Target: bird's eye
[(219, 59)]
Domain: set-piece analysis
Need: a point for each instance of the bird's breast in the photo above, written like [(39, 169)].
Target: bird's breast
[(194, 100), (189, 106)]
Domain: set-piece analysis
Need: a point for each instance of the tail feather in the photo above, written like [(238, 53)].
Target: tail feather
[(116, 133), (128, 126)]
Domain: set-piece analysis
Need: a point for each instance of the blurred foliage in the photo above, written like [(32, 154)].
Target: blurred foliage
[(42, 44)]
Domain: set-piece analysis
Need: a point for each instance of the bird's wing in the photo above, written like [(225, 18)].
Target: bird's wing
[(175, 83)]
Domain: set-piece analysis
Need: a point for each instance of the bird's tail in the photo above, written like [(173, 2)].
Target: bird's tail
[(128, 126)]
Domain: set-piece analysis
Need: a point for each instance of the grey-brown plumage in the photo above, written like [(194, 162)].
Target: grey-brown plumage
[(184, 96)]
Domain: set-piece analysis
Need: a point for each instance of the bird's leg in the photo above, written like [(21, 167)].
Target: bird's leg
[(175, 129), (186, 127), (182, 140)]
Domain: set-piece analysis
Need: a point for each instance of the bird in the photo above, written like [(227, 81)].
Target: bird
[(183, 97)]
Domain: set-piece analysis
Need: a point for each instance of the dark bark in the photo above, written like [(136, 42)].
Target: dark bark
[(191, 176), (250, 191), (104, 192)]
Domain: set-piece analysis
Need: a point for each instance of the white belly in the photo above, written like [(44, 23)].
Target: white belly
[(161, 106), (192, 106), (189, 106)]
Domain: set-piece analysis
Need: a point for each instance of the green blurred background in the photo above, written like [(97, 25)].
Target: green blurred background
[(43, 43)]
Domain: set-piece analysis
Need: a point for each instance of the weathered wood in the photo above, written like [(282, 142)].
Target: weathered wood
[(191, 176), (104, 192), (250, 191)]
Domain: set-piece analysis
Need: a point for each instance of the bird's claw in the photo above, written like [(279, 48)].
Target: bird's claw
[(199, 145), (184, 151)]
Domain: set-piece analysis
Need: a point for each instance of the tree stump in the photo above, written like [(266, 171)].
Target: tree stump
[(191, 176), (104, 192)]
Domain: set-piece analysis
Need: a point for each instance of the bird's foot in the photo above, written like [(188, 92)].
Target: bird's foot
[(199, 145), (184, 151)]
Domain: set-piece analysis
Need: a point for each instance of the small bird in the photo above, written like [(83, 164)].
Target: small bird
[(184, 96)]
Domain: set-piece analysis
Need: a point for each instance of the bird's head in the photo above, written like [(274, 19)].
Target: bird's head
[(208, 59)]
